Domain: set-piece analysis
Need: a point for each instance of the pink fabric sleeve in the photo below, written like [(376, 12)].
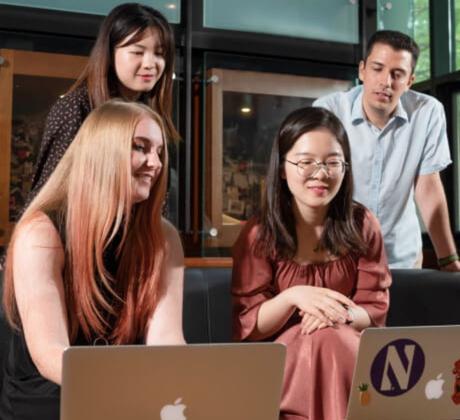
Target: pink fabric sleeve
[(374, 276), (252, 282)]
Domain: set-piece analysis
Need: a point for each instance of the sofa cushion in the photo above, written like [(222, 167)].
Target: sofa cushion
[(207, 305)]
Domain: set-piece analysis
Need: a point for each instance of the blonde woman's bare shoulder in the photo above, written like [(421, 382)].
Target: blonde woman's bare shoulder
[(38, 255), (169, 230), (39, 232), (174, 247)]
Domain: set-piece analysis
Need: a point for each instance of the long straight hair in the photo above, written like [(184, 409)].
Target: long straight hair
[(91, 190), (99, 74), (277, 236)]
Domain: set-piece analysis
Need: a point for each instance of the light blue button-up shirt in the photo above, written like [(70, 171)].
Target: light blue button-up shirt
[(386, 162)]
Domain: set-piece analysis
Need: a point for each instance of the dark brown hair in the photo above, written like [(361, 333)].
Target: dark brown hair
[(396, 40), (99, 74), (277, 236)]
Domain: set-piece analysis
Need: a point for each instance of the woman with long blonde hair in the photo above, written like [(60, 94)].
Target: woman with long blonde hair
[(91, 260)]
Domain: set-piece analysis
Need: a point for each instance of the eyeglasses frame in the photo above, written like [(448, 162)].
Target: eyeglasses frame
[(319, 166)]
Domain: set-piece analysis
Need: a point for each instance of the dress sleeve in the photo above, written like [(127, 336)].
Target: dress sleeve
[(374, 276), (252, 283)]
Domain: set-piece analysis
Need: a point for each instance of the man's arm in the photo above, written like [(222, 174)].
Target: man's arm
[(432, 204)]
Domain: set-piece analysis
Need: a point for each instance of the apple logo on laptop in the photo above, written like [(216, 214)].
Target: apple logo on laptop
[(173, 411), (433, 388)]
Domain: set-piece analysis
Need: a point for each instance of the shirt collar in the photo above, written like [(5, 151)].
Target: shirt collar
[(400, 112), (357, 112)]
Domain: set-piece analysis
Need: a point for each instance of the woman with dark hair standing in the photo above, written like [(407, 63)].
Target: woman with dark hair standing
[(310, 272), (132, 58)]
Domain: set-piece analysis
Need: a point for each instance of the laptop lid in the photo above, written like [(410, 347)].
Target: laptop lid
[(407, 373), (204, 382)]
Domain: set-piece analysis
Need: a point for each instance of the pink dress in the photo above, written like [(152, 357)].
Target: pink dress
[(319, 367)]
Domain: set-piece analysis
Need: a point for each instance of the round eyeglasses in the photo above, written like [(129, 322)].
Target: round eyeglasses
[(310, 167)]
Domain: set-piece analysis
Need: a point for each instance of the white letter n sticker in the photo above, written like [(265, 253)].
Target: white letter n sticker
[(402, 374)]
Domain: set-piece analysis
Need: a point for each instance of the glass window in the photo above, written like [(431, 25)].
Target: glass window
[(170, 8), (413, 18), (171, 210), (44, 77), (22, 121), (27, 130), (456, 158), (457, 34), (332, 20), (244, 112)]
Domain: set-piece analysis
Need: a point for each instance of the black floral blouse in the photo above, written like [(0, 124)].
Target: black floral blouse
[(63, 121)]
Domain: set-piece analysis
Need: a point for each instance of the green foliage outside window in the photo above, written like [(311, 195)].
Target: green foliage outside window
[(413, 18), (457, 34), (422, 37)]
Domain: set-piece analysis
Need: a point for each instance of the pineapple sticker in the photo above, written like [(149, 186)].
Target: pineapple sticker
[(364, 395)]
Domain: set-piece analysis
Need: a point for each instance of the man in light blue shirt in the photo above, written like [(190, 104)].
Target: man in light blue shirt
[(399, 145)]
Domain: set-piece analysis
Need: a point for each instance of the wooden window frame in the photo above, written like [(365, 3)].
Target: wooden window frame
[(251, 82)]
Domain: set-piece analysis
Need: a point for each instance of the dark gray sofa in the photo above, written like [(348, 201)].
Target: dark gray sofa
[(418, 297)]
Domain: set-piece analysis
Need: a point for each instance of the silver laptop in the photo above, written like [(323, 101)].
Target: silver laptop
[(193, 382), (407, 373)]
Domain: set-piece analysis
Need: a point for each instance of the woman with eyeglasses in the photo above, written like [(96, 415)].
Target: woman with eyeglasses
[(310, 271)]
